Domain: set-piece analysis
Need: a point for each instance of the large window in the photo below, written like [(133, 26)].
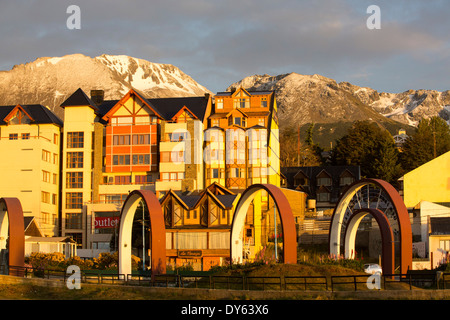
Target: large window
[(120, 160), (73, 220), (141, 139), (141, 159), (75, 139), (74, 180), (74, 160), (119, 140), (74, 200)]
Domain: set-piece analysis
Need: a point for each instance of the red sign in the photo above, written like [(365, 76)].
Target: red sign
[(106, 222)]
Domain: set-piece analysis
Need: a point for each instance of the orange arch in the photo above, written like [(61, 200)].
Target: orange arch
[(286, 216), (158, 232), (11, 212)]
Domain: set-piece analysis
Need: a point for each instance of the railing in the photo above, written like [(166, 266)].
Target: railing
[(198, 280)]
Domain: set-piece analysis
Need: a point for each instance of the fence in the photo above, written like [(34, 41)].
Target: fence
[(411, 281)]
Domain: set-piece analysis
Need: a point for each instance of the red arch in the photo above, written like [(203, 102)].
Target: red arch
[(16, 252), (401, 212), (387, 237), (286, 216), (158, 231)]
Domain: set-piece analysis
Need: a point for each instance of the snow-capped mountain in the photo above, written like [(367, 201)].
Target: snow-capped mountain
[(51, 80), (313, 98)]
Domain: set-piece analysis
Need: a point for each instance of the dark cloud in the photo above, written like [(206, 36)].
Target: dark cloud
[(219, 42)]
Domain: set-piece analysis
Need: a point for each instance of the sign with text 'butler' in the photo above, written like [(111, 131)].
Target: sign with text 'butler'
[(106, 222)]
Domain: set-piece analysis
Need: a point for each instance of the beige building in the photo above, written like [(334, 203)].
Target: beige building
[(29, 145)]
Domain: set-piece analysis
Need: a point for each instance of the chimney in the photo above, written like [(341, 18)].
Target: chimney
[(97, 96)]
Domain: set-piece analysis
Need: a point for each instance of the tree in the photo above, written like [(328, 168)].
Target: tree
[(370, 147), (430, 140), (295, 153)]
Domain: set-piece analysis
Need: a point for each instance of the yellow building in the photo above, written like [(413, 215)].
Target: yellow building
[(29, 144), (429, 182), (78, 163)]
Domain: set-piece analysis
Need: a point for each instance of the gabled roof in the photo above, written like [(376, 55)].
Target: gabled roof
[(224, 197), (38, 113), (79, 98), (170, 107), (120, 102), (14, 111)]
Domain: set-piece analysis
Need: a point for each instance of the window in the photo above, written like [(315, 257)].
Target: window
[(141, 159), (143, 179), (74, 160), (177, 136), (121, 140), (75, 139), (46, 176), (235, 173), (120, 160), (141, 139), (263, 102), (13, 136), (25, 136), (219, 104), (55, 138), (74, 221), (74, 200), (55, 178), (46, 156), (45, 197), (54, 198), (215, 173), (74, 180), (122, 180), (237, 121), (242, 103)]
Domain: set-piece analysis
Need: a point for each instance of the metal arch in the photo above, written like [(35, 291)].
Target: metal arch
[(158, 232), (387, 237), (400, 210), (286, 216), (16, 231)]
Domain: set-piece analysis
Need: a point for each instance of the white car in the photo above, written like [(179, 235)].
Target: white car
[(372, 268)]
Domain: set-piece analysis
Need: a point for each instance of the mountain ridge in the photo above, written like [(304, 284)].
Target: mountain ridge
[(51, 80)]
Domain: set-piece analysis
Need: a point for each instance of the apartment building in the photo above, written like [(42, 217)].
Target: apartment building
[(30, 148), (242, 140)]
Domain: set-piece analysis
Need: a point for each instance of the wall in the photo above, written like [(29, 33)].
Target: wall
[(429, 182)]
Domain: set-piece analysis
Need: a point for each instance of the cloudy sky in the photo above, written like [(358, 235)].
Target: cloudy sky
[(220, 42)]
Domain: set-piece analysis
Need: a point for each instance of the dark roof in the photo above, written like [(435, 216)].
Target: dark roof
[(311, 173), (39, 113), (79, 98), (440, 225), (227, 199), (168, 107)]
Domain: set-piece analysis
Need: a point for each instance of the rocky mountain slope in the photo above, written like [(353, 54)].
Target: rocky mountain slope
[(49, 81), (333, 107), (314, 98)]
